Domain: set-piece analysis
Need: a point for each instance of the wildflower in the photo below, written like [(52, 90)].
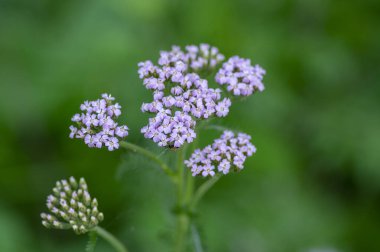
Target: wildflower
[(96, 124), (71, 206), (170, 131), (196, 58), (180, 95), (240, 77), (228, 153)]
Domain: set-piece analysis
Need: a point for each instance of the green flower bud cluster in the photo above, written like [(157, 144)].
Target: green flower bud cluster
[(71, 206)]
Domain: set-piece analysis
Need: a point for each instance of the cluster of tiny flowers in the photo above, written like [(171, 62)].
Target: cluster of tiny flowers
[(240, 77), (96, 124), (168, 130), (180, 96), (71, 206), (228, 153), (196, 58)]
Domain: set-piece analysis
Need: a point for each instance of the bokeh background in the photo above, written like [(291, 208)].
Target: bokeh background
[(314, 184)]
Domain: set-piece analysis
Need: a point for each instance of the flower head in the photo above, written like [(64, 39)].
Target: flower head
[(96, 124), (226, 154), (240, 77), (169, 130), (194, 58), (71, 206), (180, 95)]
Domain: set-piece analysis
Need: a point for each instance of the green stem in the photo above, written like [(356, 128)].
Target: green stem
[(112, 240), (183, 220), (92, 239), (152, 157), (182, 229), (189, 188), (180, 174), (196, 239), (202, 190)]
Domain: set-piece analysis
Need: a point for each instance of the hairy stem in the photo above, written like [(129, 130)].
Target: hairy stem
[(112, 240), (152, 157)]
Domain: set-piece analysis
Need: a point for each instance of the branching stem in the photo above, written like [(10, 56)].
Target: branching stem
[(201, 191), (165, 168), (112, 240)]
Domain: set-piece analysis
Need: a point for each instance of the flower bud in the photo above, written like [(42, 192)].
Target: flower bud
[(94, 203), (73, 182), (46, 224), (71, 206), (100, 217)]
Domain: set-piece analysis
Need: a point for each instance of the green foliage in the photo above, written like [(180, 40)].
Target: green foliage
[(314, 182)]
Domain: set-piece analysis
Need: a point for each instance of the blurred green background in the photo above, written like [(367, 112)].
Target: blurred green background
[(314, 184)]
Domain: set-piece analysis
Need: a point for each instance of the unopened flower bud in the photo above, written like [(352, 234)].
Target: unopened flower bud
[(93, 220), (74, 195), (73, 183), (83, 184), (86, 198), (82, 229), (94, 203), (71, 207), (95, 211), (75, 228), (46, 224)]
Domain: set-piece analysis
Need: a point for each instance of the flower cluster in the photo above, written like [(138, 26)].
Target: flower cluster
[(96, 124), (226, 154), (240, 77), (71, 206), (168, 130), (180, 96), (197, 58)]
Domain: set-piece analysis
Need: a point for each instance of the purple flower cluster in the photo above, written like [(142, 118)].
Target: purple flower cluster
[(180, 96), (168, 130), (96, 124), (240, 77), (226, 154), (196, 58)]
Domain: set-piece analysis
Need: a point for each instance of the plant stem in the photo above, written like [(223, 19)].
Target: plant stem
[(112, 240), (152, 157), (182, 228), (189, 188), (202, 190), (182, 216), (196, 239), (180, 174)]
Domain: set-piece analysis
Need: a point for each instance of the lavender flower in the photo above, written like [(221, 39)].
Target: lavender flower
[(226, 154), (170, 131), (240, 77), (71, 206), (180, 96), (96, 124), (196, 58)]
